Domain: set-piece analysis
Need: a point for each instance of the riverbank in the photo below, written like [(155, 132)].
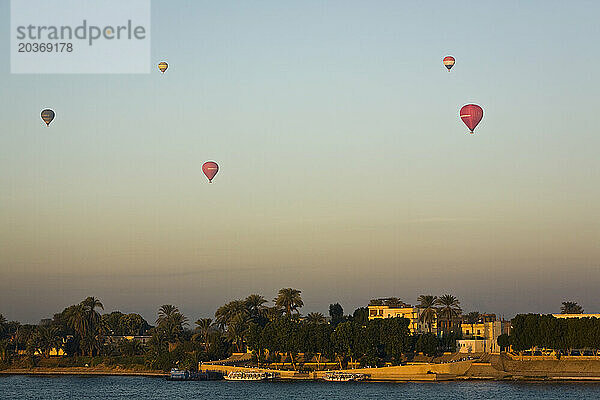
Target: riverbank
[(489, 367), (82, 371)]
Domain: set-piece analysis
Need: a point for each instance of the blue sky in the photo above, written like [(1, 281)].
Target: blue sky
[(345, 169)]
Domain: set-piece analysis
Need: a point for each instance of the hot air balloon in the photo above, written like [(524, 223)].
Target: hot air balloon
[(48, 116), (471, 114), (449, 62), (210, 169), (163, 66)]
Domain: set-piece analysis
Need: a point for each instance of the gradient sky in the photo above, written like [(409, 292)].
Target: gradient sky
[(345, 169)]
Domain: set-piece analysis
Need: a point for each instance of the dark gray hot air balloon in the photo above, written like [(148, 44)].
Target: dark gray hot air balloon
[(48, 116)]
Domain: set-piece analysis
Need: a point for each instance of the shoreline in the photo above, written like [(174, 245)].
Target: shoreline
[(81, 371), (161, 374)]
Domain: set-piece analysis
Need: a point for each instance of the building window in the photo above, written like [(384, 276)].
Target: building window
[(373, 312)]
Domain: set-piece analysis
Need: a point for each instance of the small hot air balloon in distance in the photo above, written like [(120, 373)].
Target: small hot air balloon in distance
[(162, 66), (210, 169), (471, 114), (48, 116), (449, 62)]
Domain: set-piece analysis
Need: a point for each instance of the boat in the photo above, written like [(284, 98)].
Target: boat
[(344, 377), (184, 375), (179, 375), (246, 376)]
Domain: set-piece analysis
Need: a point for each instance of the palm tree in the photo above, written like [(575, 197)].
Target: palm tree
[(289, 299), (203, 328), (448, 309), (170, 324), (315, 318), (472, 318), (92, 303), (235, 331), (87, 324), (255, 304), (165, 312), (78, 320), (130, 347), (227, 312), (427, 303), (3, 327), (45, 339), (571, 307), (273, 313)]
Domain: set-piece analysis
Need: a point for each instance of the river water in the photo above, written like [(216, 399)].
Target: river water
[(132, 388)]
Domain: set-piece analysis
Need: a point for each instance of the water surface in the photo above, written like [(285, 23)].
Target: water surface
[(132, 388)]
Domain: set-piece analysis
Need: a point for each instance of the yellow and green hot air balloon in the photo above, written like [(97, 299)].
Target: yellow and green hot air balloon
[(163, 66), (48, 116)]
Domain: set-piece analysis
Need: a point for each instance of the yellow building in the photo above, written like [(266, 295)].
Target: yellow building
[(576, 315), (404, 311), (481, 337)]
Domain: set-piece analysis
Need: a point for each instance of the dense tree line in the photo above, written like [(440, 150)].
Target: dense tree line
[(276, 333), (547, 331), (352, 340)]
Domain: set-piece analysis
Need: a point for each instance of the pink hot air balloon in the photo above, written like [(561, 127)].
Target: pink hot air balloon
[(471, 115), (210, 169)]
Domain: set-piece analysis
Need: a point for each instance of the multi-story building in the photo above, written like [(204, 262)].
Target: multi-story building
[(481, 336), (391, 308)]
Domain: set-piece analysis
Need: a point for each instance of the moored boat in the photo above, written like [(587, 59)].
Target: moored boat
[(246, 376), (179, 375), (343, 377)]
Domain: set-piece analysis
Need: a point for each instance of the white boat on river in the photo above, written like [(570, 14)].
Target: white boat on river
[(246, 376)]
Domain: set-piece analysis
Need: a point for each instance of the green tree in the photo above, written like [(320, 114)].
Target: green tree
[(336, 312), (130, 348), (315, 318), (170, 325), (112, 322), (273, 313), (427, 303), (255, 305), (87, 324), (571, 307), (342, 340), (44, 339), (448, 309), (427, 344), (236, 332), (3, 327), (472, 318), (503, 341), (394, 337), (289, 300), (227, 312), (361, 315), (204, 326)]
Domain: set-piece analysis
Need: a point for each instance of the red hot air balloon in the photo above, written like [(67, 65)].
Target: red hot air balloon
[(471, 114), (449, 62), (210, 169)]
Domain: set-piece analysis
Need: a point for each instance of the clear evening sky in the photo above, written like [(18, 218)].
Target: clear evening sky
[(345, 169)]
